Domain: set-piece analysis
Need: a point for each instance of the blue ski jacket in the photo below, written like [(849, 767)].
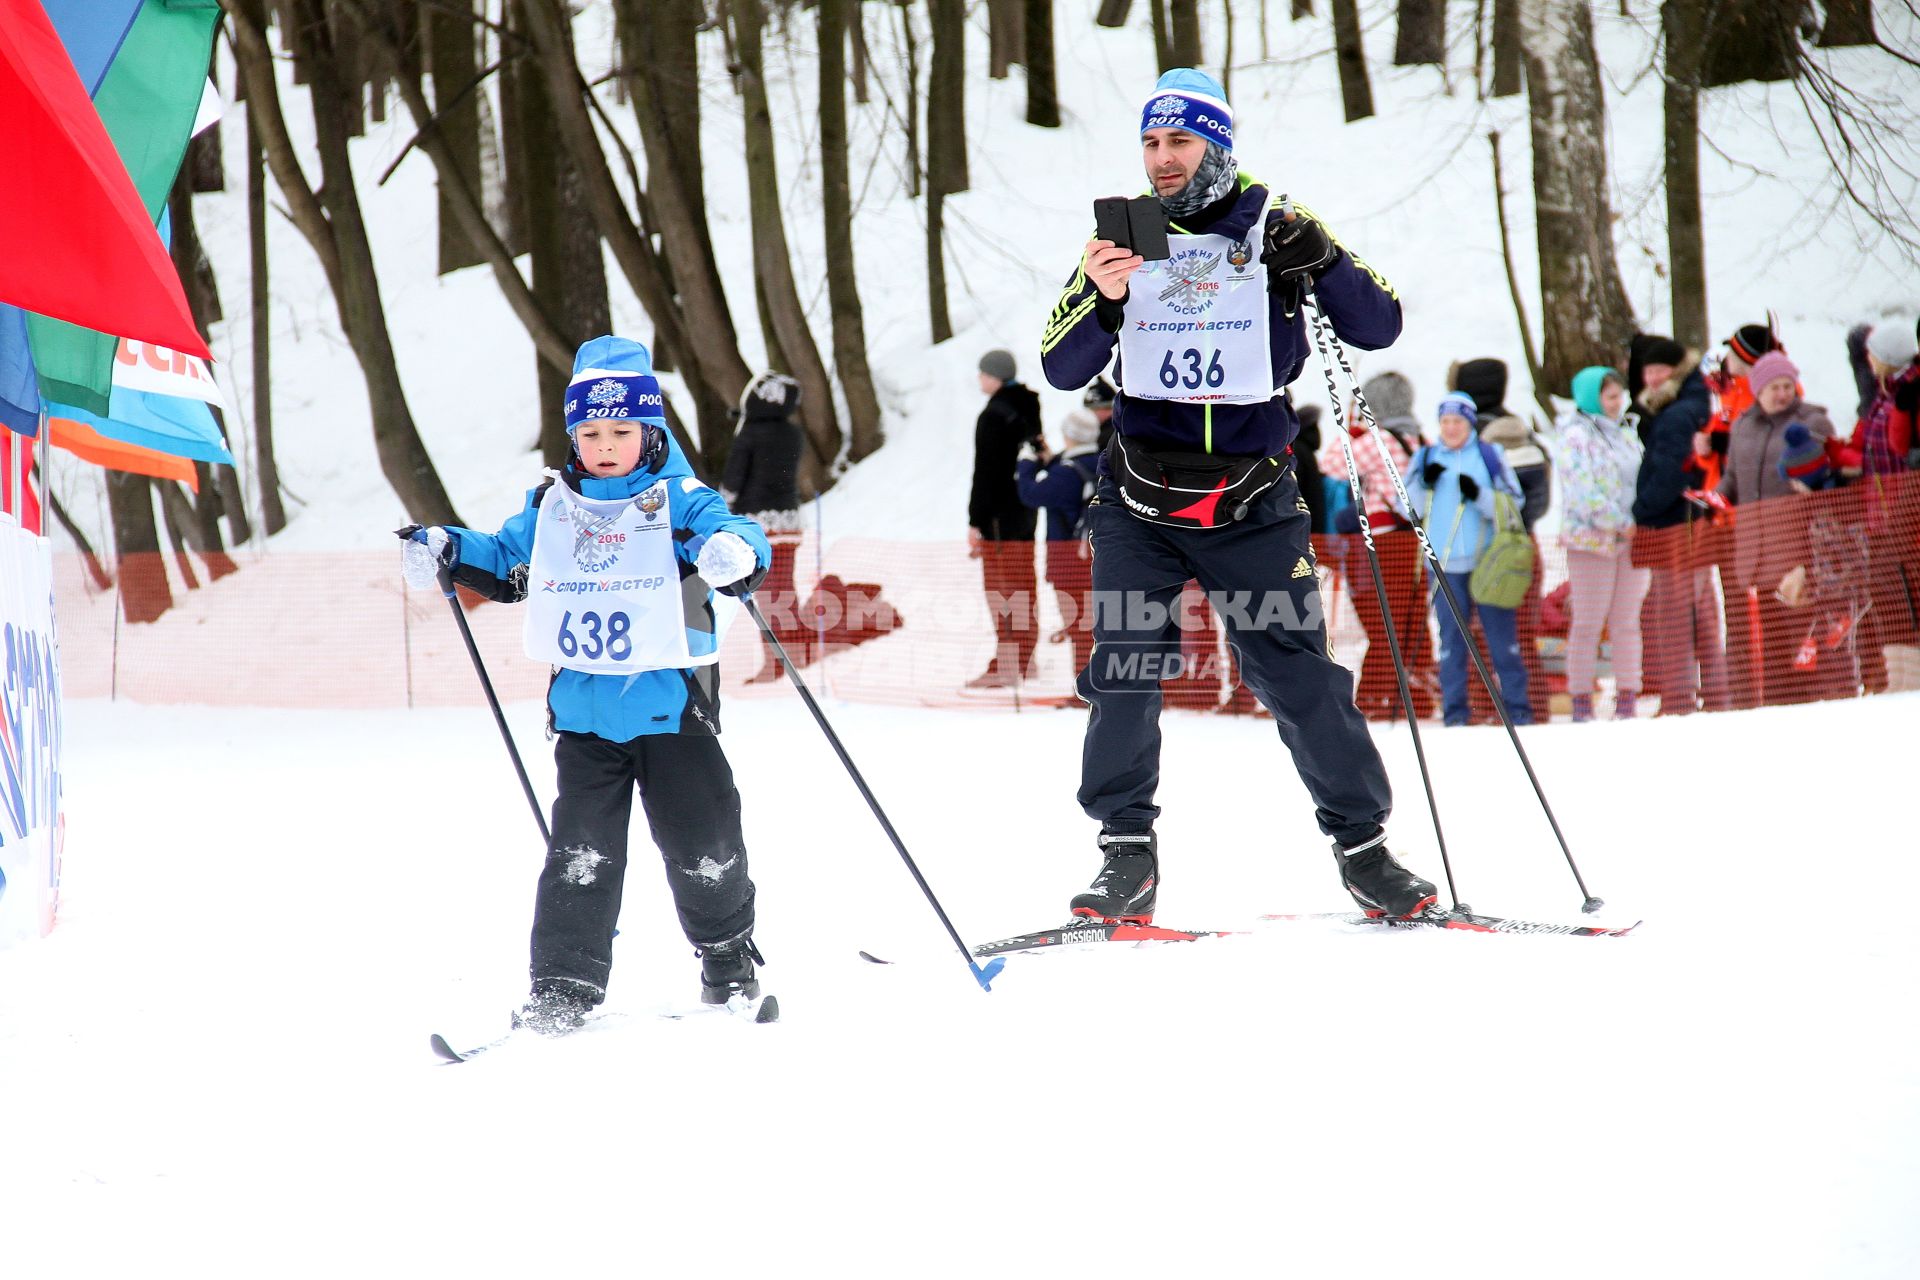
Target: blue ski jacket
[(1083, 332), (619, 708)]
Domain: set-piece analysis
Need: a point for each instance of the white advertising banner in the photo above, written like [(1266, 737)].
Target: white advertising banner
[(30, 818)]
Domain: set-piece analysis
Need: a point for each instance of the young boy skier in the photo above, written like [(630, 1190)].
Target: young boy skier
[(618, 557)]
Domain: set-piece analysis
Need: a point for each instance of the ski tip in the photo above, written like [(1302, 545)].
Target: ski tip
[(444, 1051), (769, 1010), (873, 959)]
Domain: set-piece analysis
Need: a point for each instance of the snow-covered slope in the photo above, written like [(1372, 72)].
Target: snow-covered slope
[(217, 1065), (1410, 188)]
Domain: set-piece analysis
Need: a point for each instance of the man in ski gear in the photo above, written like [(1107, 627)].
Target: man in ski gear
[(1000, 526), (1195, 484), (621, 558)]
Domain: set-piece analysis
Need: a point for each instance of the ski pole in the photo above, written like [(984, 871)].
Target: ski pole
[(1386, 616), (1322, 338), (480, 669), (984, 975)]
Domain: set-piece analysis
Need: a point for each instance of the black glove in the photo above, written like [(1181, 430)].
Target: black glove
[(749, 583), (1469, 488), (1298, 248), (1718, 441), (1431, 473)]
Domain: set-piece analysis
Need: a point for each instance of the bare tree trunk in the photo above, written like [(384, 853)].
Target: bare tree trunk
[(1541, 392), (1006, 37), (1586, 318), (1183, 19), (1686, 237), (273, 513), (663, 43), (947, 98), (1356, 91), (1421, 35), (1043, 98), (857, 49), (332, 223), (569, 271), (144, 593), (1226, 58), (1849, 22), (772, 265), (177, 515), (940, 324), (1162, 37), (1508, 63), (220, 491), (843, 293), (1749, 40), (723, 371), (453, 59), (910, 56), (95, 569)]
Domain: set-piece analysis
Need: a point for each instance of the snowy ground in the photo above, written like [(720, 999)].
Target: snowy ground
[(217, 1065)]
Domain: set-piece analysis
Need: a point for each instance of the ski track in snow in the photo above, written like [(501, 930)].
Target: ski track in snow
[(221, 1054)]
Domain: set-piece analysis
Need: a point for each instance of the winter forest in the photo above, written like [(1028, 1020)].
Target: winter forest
[(624, 161)]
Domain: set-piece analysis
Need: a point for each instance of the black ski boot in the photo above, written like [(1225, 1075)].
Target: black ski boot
[(1380, 885), (557, 1006), (727, 970), (1124, 891)]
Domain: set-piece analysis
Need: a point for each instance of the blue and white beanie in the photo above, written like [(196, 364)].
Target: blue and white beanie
[(1461, 405), (613, 378), (1192, 100)]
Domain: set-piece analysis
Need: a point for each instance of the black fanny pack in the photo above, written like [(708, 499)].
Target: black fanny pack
[(1189, 490)]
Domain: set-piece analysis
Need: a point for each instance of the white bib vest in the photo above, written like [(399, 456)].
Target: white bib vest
[(1196, 324), (603, 588)]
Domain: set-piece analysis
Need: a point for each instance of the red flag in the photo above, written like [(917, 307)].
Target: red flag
[(78, 245), (18, 498)]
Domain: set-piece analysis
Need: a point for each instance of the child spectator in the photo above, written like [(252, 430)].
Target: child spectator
[(1600, 459), (1803, 461)]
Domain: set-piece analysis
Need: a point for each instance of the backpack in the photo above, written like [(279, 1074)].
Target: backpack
[(1504, 570)]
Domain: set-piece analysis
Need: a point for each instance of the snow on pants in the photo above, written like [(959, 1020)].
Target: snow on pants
[(1607, 592), (693, 811), (1258, 576)]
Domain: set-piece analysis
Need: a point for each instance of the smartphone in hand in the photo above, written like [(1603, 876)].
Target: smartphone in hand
[(1147, 228), (1110, 221)]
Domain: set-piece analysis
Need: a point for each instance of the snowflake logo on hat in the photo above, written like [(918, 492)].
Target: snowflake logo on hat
[(1167, 106), (606, 392)]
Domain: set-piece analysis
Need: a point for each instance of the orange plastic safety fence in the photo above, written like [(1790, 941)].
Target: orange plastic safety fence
[(1810, 596)]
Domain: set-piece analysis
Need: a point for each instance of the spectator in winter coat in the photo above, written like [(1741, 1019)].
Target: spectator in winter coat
[(1885, 436), (1000, 532), (1098, 401), (1452, 484), (1061, 484), (762, 480), (1306, 466), (1485, 379), (1769, 541), (1685, 658), (1731, 396), (1599, 461), (1379, 459)]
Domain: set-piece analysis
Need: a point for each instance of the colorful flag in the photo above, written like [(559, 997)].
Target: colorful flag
[(161, 409), (148, 102)]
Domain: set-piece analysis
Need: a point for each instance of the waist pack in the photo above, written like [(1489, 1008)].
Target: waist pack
[(1504, 570), (1189, 490)]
